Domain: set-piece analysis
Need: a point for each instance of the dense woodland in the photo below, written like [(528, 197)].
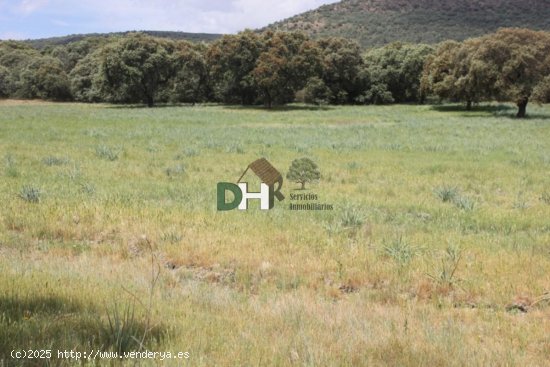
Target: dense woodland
[(274, 68)]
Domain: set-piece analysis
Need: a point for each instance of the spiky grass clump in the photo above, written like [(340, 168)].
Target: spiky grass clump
[(451, 194), (446, 193), (352, 216), (30, 194), (108, 153), (11, 166), (174, 171), (55, 161)]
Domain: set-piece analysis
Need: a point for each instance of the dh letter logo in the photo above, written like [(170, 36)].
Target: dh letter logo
[(269, 176), (223, 187)]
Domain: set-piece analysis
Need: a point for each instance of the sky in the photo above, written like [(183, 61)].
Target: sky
[(23, 19)]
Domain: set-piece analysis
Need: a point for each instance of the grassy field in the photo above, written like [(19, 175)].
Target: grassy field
[(438, 243)]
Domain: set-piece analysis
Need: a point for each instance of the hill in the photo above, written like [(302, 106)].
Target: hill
[(55, 41), (377, 22)]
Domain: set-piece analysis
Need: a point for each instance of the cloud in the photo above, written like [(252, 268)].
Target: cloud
[(30, 6), (212, 16), (13, 36), (43, 18)]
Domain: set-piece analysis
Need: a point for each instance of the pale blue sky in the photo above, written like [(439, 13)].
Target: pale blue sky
[(21, 19)]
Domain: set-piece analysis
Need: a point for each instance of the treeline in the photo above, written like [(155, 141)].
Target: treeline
[(274, 68), (249, 68)]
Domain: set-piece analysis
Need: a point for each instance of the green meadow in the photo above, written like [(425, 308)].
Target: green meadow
[(437, 251)]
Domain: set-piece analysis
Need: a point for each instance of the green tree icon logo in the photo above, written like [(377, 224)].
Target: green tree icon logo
[(302, 171)]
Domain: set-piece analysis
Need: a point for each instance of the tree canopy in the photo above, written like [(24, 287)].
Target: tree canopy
[(135, 69), (274, 68), (394, 73), (302, 171), (510, 65)]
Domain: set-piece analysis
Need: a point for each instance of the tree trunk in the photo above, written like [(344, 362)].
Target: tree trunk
[(150, 101), (268, 101), (522, 108), (468, 105), (303, 185)]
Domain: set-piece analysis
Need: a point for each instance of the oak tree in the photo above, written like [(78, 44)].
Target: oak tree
[(302, 171), (135, 69)]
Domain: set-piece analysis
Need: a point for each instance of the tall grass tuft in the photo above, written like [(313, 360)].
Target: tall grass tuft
[(108, 153), (400, 251), (175, 171), (55, 161), (190, 152), (11, 166), (446, 193), (123, 329), (464, 203), (445, 273), (545, 197), (450, 194), (352, 217), (30, 194)]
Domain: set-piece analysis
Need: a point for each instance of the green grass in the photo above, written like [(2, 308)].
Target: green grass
[(440, 222)]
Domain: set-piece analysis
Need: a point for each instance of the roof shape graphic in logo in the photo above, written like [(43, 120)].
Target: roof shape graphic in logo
[(268, 174)]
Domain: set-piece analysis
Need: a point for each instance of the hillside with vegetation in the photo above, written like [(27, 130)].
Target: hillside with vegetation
[(378, 22), (42, 43)]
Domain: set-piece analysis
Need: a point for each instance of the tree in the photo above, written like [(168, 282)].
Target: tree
[(317, 92), (4, 82), (394, 73), (45, 78), (342, 64), (284, 68), (520, 61), (71, 53), (15, 57), (189, 83), (85, 79), (135, 69), (509, 65), (542, 91), (451, 74), (231, 61), (302, 171)]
